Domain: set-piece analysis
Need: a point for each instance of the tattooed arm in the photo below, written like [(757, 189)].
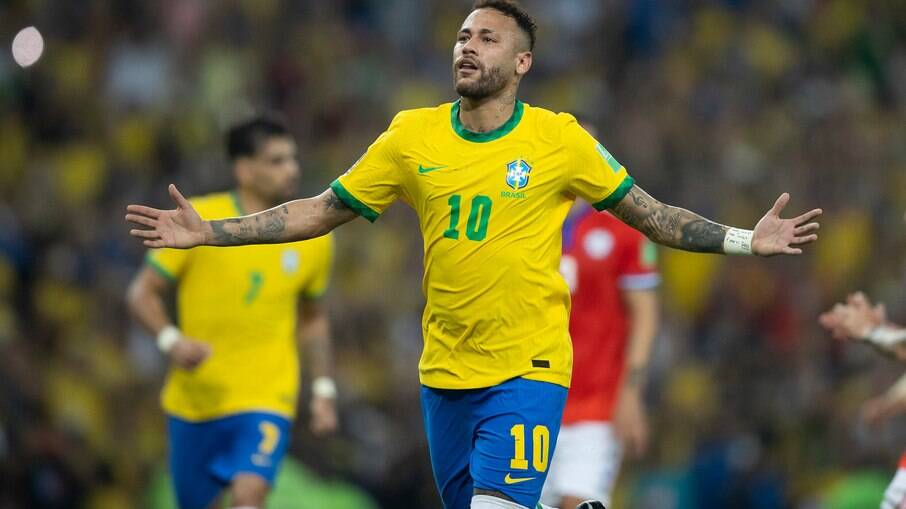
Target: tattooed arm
[(682, 229), (295, 220), (183, 227)]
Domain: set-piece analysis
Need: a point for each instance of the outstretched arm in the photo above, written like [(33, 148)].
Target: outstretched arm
[(682, 229), (183, 228)]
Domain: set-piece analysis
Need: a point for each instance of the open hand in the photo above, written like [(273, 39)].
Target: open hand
[(774, 235), (181, 227), (855, 319)]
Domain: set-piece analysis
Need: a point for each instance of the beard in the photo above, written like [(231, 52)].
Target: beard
[(490, 83)]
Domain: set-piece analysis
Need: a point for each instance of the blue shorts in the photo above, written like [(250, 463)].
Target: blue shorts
[(205, 456), (499, 438)]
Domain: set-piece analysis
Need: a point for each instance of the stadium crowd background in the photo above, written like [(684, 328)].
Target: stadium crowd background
[(717, 106)]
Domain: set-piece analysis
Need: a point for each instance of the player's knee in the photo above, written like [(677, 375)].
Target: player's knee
[(248, 491), (570, 502), (489, 502)]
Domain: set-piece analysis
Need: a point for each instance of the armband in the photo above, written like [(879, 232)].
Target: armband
[(738, 242)]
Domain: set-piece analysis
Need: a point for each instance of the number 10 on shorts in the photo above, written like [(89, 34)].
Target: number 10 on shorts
[(541, 440)]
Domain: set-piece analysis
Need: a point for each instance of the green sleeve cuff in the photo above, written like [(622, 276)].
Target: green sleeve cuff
[(314, 295), (154, 264), (615, 197), (353, 203)]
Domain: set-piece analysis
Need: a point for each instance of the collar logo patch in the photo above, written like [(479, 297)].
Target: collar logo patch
[(517, 174)]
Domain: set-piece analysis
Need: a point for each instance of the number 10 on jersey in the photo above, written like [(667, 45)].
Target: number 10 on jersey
[(479, 214)]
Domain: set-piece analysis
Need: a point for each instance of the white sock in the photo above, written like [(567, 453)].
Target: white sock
[(488, 502)]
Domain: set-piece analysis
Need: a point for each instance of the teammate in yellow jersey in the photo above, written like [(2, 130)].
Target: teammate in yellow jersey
[(231, 394), (491, 180)]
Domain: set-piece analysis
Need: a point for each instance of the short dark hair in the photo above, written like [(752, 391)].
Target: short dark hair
[(512, 9), (244, 139)]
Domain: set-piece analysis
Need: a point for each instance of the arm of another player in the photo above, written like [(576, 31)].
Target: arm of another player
[(859, 319), (887, 405), (183, 228), (681, 229), (630, 418), (314, 340), (145, 299)]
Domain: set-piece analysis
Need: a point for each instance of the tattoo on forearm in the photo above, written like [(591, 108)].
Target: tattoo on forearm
[(704, 236), (223, 237), (334, 202), (670, 226), (638, 199), (268, 226), (274, 223)]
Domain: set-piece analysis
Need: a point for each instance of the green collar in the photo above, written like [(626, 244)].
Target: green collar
[(500, 132), (235, 196)]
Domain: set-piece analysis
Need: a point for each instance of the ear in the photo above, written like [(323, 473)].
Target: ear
[(523, 62)]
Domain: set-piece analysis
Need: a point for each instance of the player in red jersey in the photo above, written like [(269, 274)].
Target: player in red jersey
[(857, 319), (611, 272)]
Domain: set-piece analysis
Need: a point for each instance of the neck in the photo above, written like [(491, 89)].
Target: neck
[(250, 202), (487, 114)]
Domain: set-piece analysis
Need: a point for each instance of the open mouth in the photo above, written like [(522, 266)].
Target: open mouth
[(467, 66)]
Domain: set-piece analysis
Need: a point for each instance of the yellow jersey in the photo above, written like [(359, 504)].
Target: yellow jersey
[(491, 207), (243, 301)]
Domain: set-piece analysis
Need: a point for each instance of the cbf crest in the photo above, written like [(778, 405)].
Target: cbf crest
[(289, 260), (517, 174)]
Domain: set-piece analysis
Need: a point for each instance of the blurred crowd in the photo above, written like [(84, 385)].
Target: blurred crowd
[(714, 105)]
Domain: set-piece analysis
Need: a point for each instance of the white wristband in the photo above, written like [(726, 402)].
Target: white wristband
[(324, 387), (167, 337), (738, 242), (885, 336)]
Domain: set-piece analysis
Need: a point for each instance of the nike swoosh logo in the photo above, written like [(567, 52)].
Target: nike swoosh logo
[(516, 480), (422, 169)]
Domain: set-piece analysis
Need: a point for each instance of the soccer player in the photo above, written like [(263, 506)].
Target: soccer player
[(491, 180), (231, 393), (858, 320), (610, 269)]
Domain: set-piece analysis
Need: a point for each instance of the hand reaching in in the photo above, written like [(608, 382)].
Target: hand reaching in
[(854, 319)]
